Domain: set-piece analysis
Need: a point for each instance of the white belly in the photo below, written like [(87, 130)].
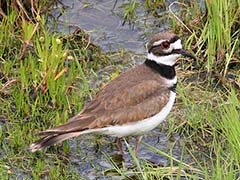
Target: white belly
[(143, 126)]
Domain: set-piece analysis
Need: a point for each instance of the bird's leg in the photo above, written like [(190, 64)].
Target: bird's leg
[(119, 145), (137, 142)]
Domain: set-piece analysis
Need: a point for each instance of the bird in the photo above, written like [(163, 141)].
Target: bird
[(133, 103)]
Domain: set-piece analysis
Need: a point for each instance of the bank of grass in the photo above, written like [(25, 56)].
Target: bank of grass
[(42, 82), (213, 34)]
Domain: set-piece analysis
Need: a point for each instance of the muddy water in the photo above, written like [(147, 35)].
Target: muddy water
[(103, 21)]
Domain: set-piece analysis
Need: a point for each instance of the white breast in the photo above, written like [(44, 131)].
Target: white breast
[(143, 126)]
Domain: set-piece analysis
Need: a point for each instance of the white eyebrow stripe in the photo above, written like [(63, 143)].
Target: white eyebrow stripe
[(159, 42), (176, 45)]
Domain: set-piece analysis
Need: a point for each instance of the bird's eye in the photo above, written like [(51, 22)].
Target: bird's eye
[(165, 45)]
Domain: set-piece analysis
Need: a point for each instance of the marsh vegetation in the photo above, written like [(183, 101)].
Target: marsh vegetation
[(46, 77)]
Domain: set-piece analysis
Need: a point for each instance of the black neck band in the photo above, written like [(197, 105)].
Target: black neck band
[(173, 87), (164, 70)]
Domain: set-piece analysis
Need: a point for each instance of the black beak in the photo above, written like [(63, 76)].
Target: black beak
[(184, 53)]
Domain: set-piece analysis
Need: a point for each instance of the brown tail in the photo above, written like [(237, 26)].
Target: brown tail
[(76, 126), (51, 139)]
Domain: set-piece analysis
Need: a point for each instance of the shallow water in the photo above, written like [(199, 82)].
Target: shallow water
[(102, 21), (90, 157)]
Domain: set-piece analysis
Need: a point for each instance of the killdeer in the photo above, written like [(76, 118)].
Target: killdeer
[(134, 103)]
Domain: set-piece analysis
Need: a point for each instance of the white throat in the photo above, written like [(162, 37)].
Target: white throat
[(169, 60)]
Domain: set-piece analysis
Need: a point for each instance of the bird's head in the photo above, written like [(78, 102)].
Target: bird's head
[(165, 48)]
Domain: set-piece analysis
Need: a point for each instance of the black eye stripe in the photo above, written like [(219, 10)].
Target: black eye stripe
[(153, 47), (174, 39)]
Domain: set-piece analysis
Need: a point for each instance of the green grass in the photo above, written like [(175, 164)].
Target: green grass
[(44, 80), (214, 34)]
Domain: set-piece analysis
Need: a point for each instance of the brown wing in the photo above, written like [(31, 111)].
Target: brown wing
[(142, 108), (136, 103), (134, 95)]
